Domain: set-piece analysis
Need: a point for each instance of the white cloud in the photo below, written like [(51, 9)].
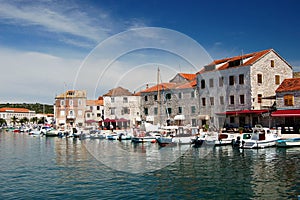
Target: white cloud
[(34, 77), (54, 16)]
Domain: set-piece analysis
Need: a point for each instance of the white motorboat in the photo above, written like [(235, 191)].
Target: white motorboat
[(288, 142), (261, 138)]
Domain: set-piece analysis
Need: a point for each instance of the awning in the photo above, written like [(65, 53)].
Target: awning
[(205, 117), (242, 112), (138, 119), (286, 113), (61, 121), (122, 120), (150, 118), (179, 117), (109, 120)]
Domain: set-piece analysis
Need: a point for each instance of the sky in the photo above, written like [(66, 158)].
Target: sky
[(50, 46)]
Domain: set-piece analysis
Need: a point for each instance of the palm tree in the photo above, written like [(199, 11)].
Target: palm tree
[(34, 119), (14, 120), (24, 120), (2, 122)]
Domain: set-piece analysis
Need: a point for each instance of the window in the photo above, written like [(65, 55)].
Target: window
[(259, 98), (98, 107), (221, 100), (79, 102), (242, 99), (62, 113), (277, 79), (88, 115), (112, 99), (259, 78), (212, 101), (80, 112), (211, 82), (221, 81), (155, 110), (202, 84), (231, 99), (193, 109), (169, 111), (272, 63), (179, 95), (125, 100), (112, 111), (62, 102), (193, 94), (203, 102), (98, 115), (71, 112), (179, 110), (241, 79), (168, 96), (146, 98), (288, 100), (125, 110), (155, 97), (146, 111), (231, 80)]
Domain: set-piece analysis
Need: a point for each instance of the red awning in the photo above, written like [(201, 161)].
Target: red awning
[(243, 112), (109, 120), (286, 113)]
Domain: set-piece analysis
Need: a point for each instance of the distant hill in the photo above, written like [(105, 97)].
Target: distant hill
[(37, 107)]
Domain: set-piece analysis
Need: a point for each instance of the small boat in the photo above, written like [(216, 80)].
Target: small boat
[(288, 142), (241, 140), (112, 136), (261, 138), (147, 137)]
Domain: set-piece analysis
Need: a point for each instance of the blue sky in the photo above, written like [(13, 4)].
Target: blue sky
[(45, 45)]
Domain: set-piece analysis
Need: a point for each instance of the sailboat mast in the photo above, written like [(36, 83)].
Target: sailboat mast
[(158, 97)]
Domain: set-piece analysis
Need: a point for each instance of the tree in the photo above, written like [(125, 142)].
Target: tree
[(14, 120), (34, 120), (24, 120), (2, 122)]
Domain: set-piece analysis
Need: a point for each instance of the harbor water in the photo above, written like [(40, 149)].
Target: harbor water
[(66, 168)]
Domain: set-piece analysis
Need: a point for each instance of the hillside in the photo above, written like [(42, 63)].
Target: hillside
[(37, 107)]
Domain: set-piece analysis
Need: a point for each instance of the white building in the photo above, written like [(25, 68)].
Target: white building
[(236, 91), (121, 108), (94, 113), (8, 114)]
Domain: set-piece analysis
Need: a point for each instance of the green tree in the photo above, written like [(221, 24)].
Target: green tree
[(34, 120), (24, 120), (2, 122), (14, 120)]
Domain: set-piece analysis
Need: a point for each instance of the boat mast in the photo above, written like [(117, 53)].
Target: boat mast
[(158, 98)]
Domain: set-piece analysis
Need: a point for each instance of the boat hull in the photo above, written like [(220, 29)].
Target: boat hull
[(293, 142)]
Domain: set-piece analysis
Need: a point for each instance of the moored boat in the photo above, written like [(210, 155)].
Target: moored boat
[(261, 138), (288, 142)]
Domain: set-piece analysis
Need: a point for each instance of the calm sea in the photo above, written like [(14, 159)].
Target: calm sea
[(55, 168)]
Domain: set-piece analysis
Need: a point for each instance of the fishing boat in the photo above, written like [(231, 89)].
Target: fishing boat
[(261, 138), (288, 142), (145, 137)]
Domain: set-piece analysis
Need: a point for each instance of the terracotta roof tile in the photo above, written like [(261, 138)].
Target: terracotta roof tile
[(190, 84), (94, 102), (16, 110), (159, 87), (188, 76), (290, 84)]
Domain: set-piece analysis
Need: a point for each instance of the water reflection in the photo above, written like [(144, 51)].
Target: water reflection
[(66, 168)]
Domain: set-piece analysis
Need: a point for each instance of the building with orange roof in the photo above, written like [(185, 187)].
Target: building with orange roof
[(94, 113), (227, 87), (69, 108), (17, 113), (287, 115), (171, 103)]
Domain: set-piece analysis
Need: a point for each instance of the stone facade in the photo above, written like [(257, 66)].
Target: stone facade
[(241, 83), (69, 109)]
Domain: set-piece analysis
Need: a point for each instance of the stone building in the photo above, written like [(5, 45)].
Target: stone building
[(287, 115), (69, 109), (172, 103), (236, 91), (94, 113), (121, 108)]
